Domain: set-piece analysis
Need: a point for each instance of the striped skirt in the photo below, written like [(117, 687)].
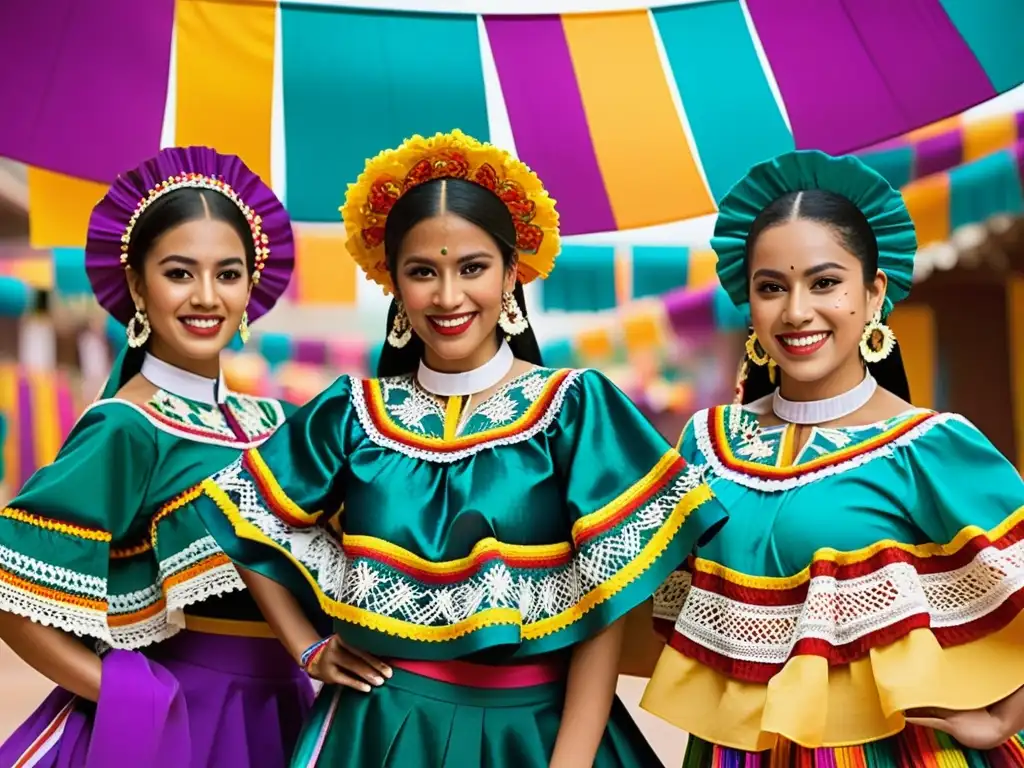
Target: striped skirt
[(913, 747)]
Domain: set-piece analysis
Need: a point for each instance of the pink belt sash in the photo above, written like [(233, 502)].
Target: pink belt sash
[(472, 675)]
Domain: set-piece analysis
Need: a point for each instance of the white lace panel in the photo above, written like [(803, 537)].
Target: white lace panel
[(70, 616), (374, 587), (841, 611)]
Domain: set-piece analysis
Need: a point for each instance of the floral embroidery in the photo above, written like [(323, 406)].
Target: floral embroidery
[(257, 417), (738, 449), (397, 413)]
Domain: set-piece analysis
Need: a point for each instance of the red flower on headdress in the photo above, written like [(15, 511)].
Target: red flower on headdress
[(445, 164), (384, 192)]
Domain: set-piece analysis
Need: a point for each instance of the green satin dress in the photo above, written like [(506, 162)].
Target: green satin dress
[(102, 543), (507, 536)]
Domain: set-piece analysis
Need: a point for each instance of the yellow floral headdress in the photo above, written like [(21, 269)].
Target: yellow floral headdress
[(449, 156)]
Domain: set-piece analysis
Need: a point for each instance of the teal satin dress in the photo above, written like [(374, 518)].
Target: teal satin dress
[(873, 570), (102, 543), (507, 536)]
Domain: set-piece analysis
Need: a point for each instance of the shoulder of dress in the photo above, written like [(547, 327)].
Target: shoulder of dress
[(116, 415)]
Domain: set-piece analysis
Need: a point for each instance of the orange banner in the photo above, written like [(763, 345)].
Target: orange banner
[(59, 208), (225, 77)]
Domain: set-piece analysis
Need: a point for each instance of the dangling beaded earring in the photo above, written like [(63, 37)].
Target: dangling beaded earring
[(511, 319), (243, 328), (877, 341), (759, 356), (401, 329), (138, 329)]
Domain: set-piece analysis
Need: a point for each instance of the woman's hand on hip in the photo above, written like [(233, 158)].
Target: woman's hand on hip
[(341, 664), (973, 728)]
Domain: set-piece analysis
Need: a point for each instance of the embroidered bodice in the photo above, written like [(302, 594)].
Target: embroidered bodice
[(101, 542), (549, 511)]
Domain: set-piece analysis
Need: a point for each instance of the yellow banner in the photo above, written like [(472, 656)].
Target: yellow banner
[(225, 77)]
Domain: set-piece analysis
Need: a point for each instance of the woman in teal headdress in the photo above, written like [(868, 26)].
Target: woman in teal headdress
[(863, 605)]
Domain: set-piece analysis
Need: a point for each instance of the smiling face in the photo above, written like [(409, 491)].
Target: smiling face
[(194, 287), (809, 304), (450, 277)]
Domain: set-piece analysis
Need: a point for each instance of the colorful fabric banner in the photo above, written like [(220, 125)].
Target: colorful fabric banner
[(724, 88), (848, 69), (632, 118), (949, 144), (35, 273), (59, 208), (593, 278), (619, 72), (535, 88), (324, 273), (992, 30), (585, 280), (225, 77), (357, 82), (85, 84)]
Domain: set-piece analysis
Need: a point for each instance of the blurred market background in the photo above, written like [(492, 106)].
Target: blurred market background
[(637, 116)]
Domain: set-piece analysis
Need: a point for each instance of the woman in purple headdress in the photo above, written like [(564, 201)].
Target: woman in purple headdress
[(109, 585)]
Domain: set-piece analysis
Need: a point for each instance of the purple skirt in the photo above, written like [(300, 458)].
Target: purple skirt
[(194, 701)]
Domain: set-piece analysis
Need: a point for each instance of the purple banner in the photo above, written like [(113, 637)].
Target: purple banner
[(549, 125), (84, 84), (855, 72)]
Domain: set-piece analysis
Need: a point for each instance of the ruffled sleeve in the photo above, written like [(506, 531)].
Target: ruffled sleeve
[(963, 483), (268, 510), (57, 534), (636, 510)]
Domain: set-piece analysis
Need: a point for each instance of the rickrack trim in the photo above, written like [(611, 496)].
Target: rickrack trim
[(79, 531)]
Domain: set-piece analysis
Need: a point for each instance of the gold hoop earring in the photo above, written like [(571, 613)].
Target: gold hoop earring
[(759, 356), (878, 341), (401, 329), (243, 328), (138, 329), (755, 352), (511, 319)]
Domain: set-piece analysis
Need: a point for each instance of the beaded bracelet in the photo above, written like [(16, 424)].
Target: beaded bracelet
[(310, 654)]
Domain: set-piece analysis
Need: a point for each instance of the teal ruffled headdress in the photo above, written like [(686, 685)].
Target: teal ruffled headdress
[(810, 169)]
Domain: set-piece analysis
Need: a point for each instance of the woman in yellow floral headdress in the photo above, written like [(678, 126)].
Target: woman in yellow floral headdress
[(500, 518)]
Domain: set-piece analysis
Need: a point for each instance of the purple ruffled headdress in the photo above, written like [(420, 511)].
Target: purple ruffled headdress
[(115, 216)]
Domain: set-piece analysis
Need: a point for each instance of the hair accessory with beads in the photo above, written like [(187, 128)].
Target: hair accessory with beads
[(453, 155), (115, 217)]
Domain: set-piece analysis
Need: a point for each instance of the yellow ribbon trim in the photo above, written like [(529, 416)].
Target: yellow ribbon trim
[(962, 538), (54, 525)]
